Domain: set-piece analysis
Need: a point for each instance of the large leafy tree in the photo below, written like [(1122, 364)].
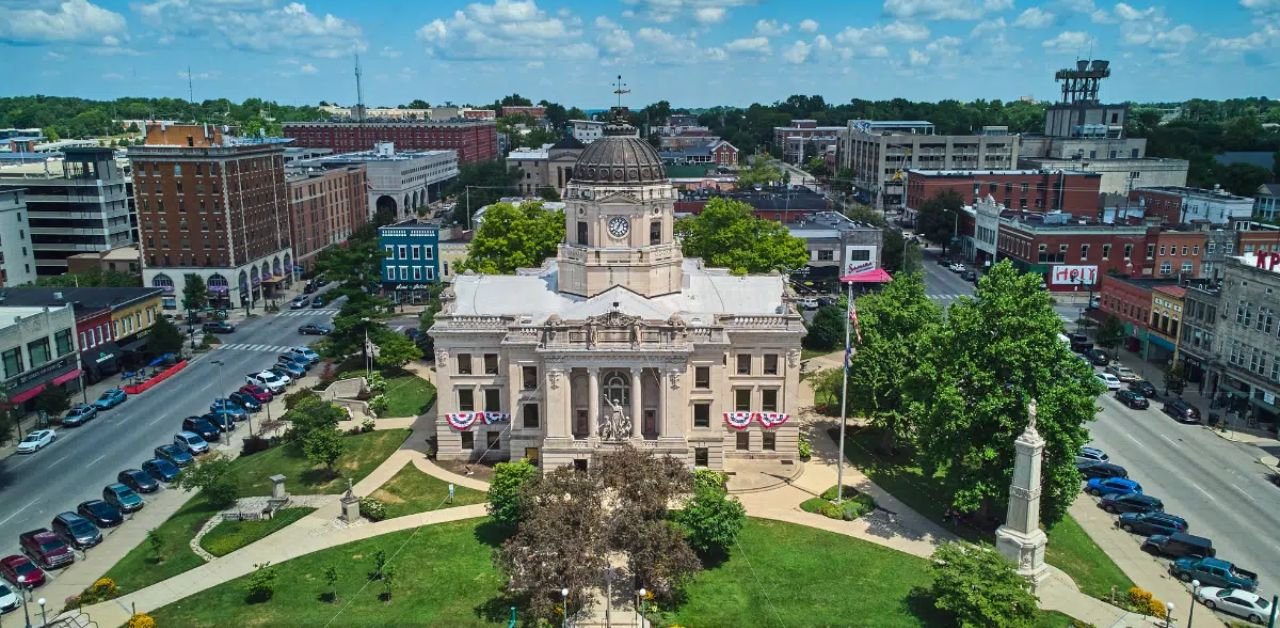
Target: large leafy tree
[(761, 172), (214, 478), (711, 520), (165, 337), (195, 294), (728, 235), (481, 184), (94, 278), (895, 322), (509, 478), (937, 217), (324, 446), (992, 356), (1111, 332), (514, 237), (826, 332), (355, 266), (980, 587), (395, 350)]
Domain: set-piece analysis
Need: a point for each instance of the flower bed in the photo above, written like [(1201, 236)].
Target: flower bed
[(855, 504)]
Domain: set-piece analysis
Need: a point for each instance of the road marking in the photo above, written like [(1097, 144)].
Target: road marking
[(1130, 437), (96, 460), (59, 460), (1171, 441), (18, 511), (159, 419), (1242, 492), (1206, 493)]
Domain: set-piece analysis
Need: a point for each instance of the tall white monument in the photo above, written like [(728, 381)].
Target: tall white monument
[(1020, 538)]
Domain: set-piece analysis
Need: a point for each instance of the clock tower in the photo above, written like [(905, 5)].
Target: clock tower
[(619, 214)]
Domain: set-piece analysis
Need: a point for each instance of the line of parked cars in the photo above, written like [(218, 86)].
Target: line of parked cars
[(1224, 585), (54, 547), (1130, 389)]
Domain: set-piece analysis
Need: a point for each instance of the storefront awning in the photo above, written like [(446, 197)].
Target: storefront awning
[(274, 279), (26, 394), (134, 344), (66, 377)]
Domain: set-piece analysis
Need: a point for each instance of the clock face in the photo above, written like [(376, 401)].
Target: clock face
[(619, 226)]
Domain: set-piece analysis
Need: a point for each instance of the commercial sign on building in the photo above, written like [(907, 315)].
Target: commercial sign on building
[(1074, 275), (858, 259)]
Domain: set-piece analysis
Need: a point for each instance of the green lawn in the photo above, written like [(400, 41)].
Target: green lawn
[(1069, 549), (364, 453), (411, 491), (782, 574), (230, 535), (1054, 619), (446, 578), (408, 395), (805, 354), (137, 569)]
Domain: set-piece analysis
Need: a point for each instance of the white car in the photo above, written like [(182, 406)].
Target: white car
[(1250, 606), (1110, 380), (267, 380), (808, 303), (35, 441), (8, 599), (957, 268)]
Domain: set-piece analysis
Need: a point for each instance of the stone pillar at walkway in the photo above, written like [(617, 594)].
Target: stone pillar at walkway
[(1020, 538)]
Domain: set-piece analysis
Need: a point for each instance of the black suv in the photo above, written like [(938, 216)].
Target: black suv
[(1143, 387), (138, 480), (205, 429), (1149, 523), (1098, 357), (1179, 544), (101, 513), (1116, 503), (1101, 470), (1132, 399), (1181, 411), (218, 327), (77, 531), (1080, 343)]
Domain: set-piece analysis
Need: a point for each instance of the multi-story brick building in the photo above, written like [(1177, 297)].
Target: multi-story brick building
[(398, 182), (535, 112), (473, 140), (1199, 321), (1068, 251), (1129, 300), (214, 207), (1070, 191), (325, 207), (1167, 305), (804, 139), (1172, 253), (1179, 205)]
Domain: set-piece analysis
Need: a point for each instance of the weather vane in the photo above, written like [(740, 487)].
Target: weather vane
[(620, 88)]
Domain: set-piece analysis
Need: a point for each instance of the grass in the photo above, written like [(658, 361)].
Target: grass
[(446, 578), (137, 569), (231, 535), (409, 395), (1054, 619), (411, 491), (779, 573), (1070, 548), (364, 453), (805, 354), (855, 504)]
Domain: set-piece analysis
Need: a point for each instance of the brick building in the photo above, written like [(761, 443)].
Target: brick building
[(215, 207), (1129, 300), (535, 112), (1179, 205), (1075, 192), (474, 140), (325, 207), (1171, 253), (1063, 248), (1167, 305)]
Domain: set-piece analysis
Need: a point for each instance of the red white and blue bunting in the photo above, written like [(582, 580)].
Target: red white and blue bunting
[(495, 417), (742, 420), (462, 420)]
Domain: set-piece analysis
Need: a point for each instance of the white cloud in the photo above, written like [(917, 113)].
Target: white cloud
[(389, 52), (917, 58), (1267, 36), (771, 28), (879, 34), (254, 25), (307, 68), (709, 15), (797, 52), (535, 65), (808, 25), (612, 39), (904, 31), (72, 21), (659, 46), (989, 28), (54, 56), (716, 54), (752, 45), (1034, 17), (1261, 6), (113, 76), (1069, 43), (663, 11), (198, 76), (505, 29), (945, 9)]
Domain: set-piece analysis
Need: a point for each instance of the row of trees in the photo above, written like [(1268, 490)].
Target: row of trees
[(955, 389), (79, 117)]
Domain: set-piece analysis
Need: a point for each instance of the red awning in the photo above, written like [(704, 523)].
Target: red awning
[(66, 377), (877, 275), (26, 394)]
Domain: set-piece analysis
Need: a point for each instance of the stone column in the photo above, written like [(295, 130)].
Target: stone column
[(556, 389), (593, 398), (637, 409), (664, 380), (1020, 538)]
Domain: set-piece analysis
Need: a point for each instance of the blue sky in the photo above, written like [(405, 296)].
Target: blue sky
[(690, 52)]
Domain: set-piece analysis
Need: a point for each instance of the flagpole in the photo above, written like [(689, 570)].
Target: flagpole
[(844, 394)]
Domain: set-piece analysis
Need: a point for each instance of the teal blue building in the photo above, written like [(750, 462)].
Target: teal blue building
[(410, 260)]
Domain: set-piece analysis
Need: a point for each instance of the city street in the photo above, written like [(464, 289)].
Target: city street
[(35, 487), (1215, 484)]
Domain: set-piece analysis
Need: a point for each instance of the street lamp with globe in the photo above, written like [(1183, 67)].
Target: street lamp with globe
[(22, 593), (44, 615), (1195, 592), (639, 598), (1168, 616), (564, 594)]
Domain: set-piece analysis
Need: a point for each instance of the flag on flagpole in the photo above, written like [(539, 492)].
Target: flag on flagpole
[(853, 318)]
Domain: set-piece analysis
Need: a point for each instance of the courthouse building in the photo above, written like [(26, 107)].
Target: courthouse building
[(619, 339)]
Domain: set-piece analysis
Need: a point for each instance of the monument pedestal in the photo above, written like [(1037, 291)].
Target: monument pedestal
[(1020, 539), (1026, 551)]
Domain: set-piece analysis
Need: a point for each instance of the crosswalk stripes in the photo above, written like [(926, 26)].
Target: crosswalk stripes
[(308, 313), (947, 297), (244, 346)]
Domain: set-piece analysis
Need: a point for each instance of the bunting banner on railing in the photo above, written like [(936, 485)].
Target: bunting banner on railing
[(738, 420), (772, 419), (462, 420), (495, 417)]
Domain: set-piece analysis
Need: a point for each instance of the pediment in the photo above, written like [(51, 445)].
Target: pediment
[(618, 198)]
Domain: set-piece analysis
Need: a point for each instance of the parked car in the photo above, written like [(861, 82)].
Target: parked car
[(311, 329), (1122, 372), (294, 359), (161, 469), (45, 548), (307, 353), (76, 530), (284, 375), (309, 288), (9, 601), (202, 428), (1149, 523), (1079, 342), (110, 398), (1143, 387), (1181, 411), (138, 480), (1178, 544), (79, 415), (245, 401), (808, 303), (1107, 486), (300, 302), (1132, 399), (191, 442), (122, 497), (1246, 604), (259, 393), (101, 513), (957, 267), (268, 380), (1093, 454), (290, 368), (969, 275), (1117, 503), (1098, 357), (1214, 572), (1108, 380), (18, 566), (229, 408), (318, 302), (36, 440), (225, 423), (175, 455), (1102, 470), (218, 327)]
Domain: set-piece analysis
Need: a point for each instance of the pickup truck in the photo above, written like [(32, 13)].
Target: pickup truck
[(45, 548), (1213, 572), (266, 379)]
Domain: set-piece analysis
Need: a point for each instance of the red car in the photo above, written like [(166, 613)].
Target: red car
[(16, 565), (257, 392)]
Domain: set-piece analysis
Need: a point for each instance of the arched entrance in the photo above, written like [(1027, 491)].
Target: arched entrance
[(385, 203), (219, 291), (167, 298), (242, 282)]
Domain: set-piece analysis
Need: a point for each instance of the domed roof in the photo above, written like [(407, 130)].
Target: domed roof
[(619, 157)]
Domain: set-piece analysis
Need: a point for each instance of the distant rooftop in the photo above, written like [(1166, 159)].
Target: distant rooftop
[(375, 155), (1198, 192), (1007, 173), (83, 298), (9, 313)]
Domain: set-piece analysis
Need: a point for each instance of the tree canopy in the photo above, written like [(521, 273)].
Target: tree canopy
[(514, 237), (479, 184), (728, 235), (980, 587), (937, 217)]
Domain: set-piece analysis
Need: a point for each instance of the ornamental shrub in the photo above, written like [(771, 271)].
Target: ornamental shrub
[(141, 620), (372, 509), (806, 450)]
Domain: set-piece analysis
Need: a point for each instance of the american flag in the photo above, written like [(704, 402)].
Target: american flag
[(853, 318)]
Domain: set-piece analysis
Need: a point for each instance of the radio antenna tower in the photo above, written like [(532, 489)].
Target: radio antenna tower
[(191, 93), (359, 103)]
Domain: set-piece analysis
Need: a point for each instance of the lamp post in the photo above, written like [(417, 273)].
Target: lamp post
[(639, 596), (1195, 591), (22, 593), (368, 355), (222, 425), (564, 594), (44, 615), (1168, 615)]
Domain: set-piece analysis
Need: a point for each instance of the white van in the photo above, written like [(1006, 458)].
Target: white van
[(191, 443)]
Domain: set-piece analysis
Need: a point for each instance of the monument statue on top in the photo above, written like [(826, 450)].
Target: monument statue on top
[(1020, 538)]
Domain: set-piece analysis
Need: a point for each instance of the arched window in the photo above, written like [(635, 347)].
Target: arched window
[(617, 388), (163, 282), (655, 232)]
